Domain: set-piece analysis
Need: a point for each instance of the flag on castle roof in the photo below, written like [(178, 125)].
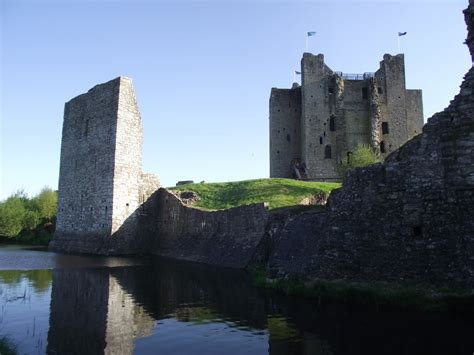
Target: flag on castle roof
[(401, 34), (311, 33)]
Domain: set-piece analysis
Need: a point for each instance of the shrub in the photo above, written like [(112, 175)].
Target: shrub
[(20, 213), (46, 203), (12, 216), (363, 155)]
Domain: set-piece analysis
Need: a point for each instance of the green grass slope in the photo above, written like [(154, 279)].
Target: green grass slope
[(277, 192)]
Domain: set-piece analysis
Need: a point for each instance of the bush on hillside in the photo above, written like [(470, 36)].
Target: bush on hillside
[(362, 156)]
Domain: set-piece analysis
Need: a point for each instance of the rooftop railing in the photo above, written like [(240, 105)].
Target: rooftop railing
[(355, 76)]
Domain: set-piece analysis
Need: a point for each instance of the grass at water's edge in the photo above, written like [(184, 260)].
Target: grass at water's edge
[(277, 193), (7, 347), (405, 296)]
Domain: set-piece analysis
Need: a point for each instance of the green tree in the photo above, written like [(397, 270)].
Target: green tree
[(46, 203), (363, 155), (18, 212), (12, 216), (31, 219)]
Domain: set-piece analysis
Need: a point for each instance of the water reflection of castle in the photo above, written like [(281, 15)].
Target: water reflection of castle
[(105, 311)]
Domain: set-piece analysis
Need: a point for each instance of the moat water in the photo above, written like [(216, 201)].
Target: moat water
[(59, 304)]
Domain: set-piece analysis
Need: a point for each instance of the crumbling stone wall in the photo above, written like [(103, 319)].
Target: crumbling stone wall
[(225, 237), (407, 219), (375, 114)]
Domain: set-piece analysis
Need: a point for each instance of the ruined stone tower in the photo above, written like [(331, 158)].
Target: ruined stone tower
[(101, 184), (318, 124)]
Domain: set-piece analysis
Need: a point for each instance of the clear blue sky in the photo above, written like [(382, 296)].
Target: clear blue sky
[(202, 72)]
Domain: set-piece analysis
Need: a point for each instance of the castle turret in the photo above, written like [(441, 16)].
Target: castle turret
[(317, 92)]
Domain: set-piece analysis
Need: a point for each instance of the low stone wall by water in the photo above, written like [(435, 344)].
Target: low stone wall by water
[(227, 237)]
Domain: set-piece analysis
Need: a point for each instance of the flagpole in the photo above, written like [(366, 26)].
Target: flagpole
[(294, 77), (398, 40), (309, 34)]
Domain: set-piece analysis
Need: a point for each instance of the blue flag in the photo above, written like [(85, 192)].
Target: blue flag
[(311, 33), (401, 34), (297, 72)]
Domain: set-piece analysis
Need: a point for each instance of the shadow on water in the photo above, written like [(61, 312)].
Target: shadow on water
[(111, 310)]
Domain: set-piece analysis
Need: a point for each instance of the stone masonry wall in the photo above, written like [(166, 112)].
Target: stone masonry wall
[(128, 156), (414, 106), (316, 111), (407, 219), (226, 238), (101, 185), (340, 112), (356, 116), (86, 177), (285, 131), (394, 111)]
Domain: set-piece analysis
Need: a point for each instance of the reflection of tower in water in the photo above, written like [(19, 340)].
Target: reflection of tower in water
[(125, 321), (91, 314)]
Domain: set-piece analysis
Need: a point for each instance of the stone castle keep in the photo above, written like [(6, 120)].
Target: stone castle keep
[(315, 126), (101, 183)]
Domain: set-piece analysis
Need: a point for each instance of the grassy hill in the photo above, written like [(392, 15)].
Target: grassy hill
[(277, 192)]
